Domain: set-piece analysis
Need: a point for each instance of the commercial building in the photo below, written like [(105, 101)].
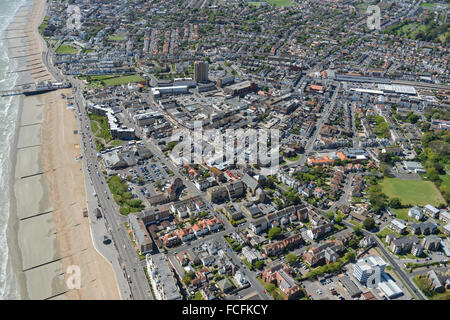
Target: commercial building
[(367, 266), (413, 166), (388, 286), (157, 92), (162, 278), (240, 88), (201, 71), (350, 286)]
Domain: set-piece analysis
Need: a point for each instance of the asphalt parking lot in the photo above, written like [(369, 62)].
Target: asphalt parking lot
[(322, 291)]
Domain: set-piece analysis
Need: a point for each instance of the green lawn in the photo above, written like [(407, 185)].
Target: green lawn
[(198, 296), (276, 293), (402, 214), (115, 38), (122, 80), (123, 197), (383, 233), (280, 3), (412, 192), (66, 49)]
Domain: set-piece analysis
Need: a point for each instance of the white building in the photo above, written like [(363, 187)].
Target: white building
[(397, 226), (240, 278), (365, 267), (431, 211), (162, 278), (389, 287), (416, 213)]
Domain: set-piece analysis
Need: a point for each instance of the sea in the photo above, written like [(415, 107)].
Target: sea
[(9, 287)]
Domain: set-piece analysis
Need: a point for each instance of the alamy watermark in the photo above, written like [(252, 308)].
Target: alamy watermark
[(374, 19), (74, 17), (240, 147), (73, 280)]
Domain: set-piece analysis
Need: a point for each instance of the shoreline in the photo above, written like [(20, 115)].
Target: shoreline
[(44, 225)]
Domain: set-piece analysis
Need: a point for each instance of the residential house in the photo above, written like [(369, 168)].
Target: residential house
[(325, 253), (258, 226), (416, 213), (277, 247), (431, 211), (283, 277), (397, 226), (425, 228), (432, 243)]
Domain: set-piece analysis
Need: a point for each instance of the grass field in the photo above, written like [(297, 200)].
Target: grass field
[(122, 80), (280, 3), (115, 38), (412, 192), (66, 49), (402, 214)]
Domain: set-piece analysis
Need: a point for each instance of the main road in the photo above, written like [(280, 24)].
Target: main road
[(128, 257)]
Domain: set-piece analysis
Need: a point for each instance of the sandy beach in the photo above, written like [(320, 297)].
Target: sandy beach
[(46, 222)]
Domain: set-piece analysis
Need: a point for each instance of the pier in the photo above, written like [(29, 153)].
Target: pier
[(40, 87)]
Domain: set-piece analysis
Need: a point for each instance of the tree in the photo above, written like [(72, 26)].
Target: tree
[(395, 203), (291, 258), (140, 181), (171, 145), (353, 243), (339, 217), (188, 277), (357, 230), (330, 215), (274, 233), (158, 184), (271, 287), (369, 223), (258, 264)]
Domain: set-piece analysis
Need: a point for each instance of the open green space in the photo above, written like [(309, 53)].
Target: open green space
[(295, 158), (383, 233), (123, 197), (115, 38), (280, 3), (412, 192), (429, 30), (123, 80), (103, 138), (66, 49), (256, 4), (402, 214), (43, 24), (112, 79)]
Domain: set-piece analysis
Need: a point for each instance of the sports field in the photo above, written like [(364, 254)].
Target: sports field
[(412, 192), (280, 3)]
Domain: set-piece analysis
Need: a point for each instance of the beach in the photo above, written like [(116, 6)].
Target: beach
[(47, 233)]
